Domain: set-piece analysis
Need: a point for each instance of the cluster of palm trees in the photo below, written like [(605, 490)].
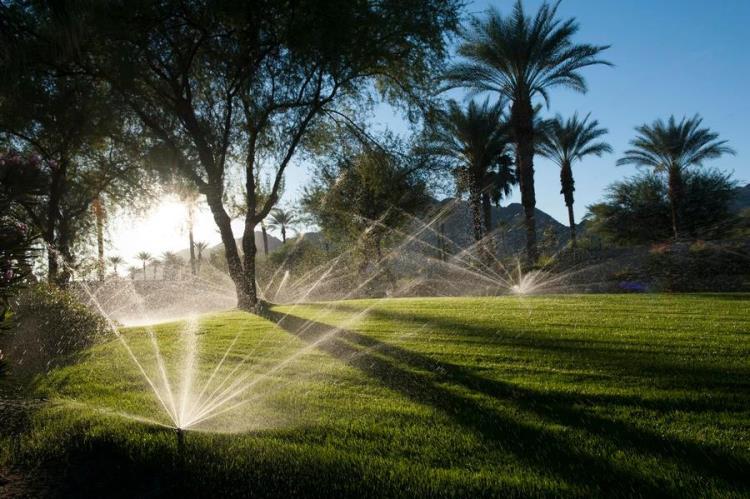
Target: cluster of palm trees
[(520, 59)]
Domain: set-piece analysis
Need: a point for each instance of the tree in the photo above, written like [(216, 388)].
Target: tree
[(475, 143), (23, 182), (523, 57), (671, 148), (115, 261), (132, 271), (282, 220), (215, 81), (145, 257), (568, 141), (70, 122), (637, 210), (363, 192), (155, 264)]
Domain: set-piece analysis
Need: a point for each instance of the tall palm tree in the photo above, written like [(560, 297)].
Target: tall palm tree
[(568, 141), (523, 57), (671, 148), (281, 220), (115, 261), (99, 215), (144, 257), (200, 246), (476, 141)]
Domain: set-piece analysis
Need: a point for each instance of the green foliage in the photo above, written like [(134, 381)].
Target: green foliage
[(23, 181), (637, 210), (596, 395), (700, 266), (365, 191), (48, 328)]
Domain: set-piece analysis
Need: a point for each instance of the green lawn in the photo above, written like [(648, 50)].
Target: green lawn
[(554, 395)]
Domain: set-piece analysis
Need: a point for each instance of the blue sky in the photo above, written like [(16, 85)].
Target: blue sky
[(671, 57)]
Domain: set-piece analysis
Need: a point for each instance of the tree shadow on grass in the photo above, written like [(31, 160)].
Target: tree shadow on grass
[(543, 449), (665, 369), (555, 453)]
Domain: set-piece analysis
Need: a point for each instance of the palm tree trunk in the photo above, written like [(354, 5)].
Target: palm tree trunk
[(675, 196), (265, 238), (568, 186), (144, 270), (487, 211), (522, 119), (191, 240), (283, 234), (99, 215), (475, 203)]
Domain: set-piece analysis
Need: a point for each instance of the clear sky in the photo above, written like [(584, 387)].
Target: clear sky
[(671, 57)]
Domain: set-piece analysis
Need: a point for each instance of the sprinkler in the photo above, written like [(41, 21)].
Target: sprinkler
[(180, 440), (179, 457)]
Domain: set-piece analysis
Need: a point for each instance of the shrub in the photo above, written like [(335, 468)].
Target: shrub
[(48, 327), (700, 266)]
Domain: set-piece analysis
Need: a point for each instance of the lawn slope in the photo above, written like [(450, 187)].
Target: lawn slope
[(560, 395)]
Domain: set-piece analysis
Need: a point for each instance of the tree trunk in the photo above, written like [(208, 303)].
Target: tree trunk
[(568, 186), (53, 217), (522, 118), (246, 299), (675, 196), (144, 270), (487, 211), (190, 239), (265, 238), (99, 215), (475, 204), (283, 234)]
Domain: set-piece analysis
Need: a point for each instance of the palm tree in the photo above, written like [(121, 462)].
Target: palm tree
[(200, 246), (115, 261), (476, 142), (171, 260), (155, 264), (132, 271), (568, 141), (144, 257), (671, 148), (282, 220), (521, 58)]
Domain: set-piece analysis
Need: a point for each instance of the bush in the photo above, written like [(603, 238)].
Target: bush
[(700, 266), (48, 327)]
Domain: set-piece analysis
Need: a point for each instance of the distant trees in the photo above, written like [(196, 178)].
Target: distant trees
[(476, 142), (522, 57), (638, 210), (565, 142), (670, 148)]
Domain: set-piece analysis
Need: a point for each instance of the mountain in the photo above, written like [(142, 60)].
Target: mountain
[(507, 221), (273, 243)]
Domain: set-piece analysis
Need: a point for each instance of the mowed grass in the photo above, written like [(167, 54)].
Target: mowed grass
[(550, 395)]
